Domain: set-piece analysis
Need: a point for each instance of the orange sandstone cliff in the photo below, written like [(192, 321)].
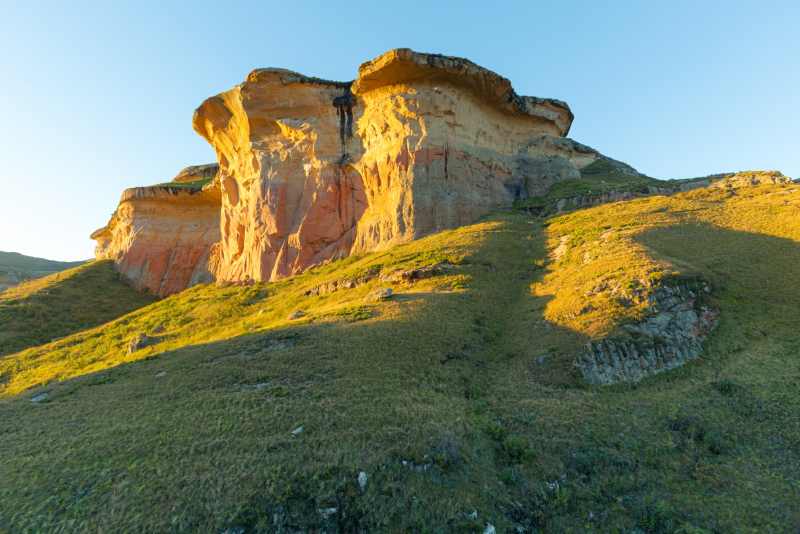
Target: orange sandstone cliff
[(311, 170), (161, 237)]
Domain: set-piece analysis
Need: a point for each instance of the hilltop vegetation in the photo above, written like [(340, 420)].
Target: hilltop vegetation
[(257, 407)]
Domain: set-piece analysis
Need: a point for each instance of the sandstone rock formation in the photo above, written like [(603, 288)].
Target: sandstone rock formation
[(312, 170), (161, 237)]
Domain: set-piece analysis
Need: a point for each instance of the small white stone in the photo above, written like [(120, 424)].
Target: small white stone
[(362, 480), (161, 374), (383, 293), (41, 397), (327, 512), (297, 431)]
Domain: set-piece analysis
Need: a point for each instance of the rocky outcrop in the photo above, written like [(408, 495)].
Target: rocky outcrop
[(671, 334), (750, 179), (312, 170), (162, 238)]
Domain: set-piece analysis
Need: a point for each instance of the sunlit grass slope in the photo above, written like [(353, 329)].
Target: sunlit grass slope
[(43, 309), (456, 397)]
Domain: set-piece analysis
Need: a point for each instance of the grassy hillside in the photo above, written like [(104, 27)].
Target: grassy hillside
[(456, 397), (604, 177), (60, 304), (16, 268)]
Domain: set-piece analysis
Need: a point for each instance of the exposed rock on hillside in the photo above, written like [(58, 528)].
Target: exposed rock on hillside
[(750, 178), (161, 237), (605, 180), (671, 334), (312, 170)]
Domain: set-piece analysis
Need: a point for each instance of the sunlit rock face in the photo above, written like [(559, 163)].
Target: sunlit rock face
[(311, 170), (162, 237)]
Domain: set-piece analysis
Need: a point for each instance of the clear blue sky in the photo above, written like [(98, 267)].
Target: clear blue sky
[(99, 97)]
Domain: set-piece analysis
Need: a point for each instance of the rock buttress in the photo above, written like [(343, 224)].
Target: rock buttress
[(162, 238)]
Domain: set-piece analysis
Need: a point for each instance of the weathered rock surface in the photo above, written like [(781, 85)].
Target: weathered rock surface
[(672, 334), (312, 170), (162, 237), (141, 341), (750, 179)]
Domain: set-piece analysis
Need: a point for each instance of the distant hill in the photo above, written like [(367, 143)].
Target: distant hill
[(16, 268)]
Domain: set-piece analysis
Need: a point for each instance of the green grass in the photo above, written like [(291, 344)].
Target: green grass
[(597, 178), (60, 304), (437, 393), (16, 268), (195, 185), (13, 261), (600, 177)]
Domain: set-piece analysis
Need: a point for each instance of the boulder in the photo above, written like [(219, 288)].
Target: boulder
[(141, 341)]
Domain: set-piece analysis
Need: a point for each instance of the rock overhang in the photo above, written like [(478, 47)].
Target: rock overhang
[(405, 66)]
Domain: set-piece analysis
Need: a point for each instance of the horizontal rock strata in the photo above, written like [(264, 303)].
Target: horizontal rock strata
[(162, 237)]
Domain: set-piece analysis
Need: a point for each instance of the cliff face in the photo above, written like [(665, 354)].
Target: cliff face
[(161, 237), (312, 170)]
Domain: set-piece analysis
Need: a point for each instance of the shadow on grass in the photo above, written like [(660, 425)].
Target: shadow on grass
[(756, 277), (270, 431), (64, 303), (412, 384)]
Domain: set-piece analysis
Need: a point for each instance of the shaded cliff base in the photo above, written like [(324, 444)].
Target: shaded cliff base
[(452, 404)]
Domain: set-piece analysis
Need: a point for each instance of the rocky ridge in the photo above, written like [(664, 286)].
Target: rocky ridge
[(312, 170)]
